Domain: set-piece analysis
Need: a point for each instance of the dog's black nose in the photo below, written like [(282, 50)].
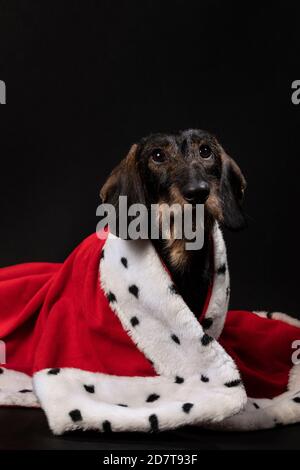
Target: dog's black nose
[(196, 193)]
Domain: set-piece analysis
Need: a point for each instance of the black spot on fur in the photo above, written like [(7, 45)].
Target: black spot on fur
[(121, 404), (90, 388), (207, 323), (173, 289), (227, 291), (134, 321), (153, 423), (124, 262), (106, 426), (222, 269), (54, 371), (179, 380), (256, 405), (75, 415), (270, 315), (25, 390), (152, 397), (175, 339), (102, 254), (206, 339), (204, 379), (1, 370), (111, 297), (187, 407), (296, 399), (233, 383), (134, 290)]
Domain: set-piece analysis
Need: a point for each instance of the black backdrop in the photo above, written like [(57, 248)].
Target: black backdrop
[(85, 79)]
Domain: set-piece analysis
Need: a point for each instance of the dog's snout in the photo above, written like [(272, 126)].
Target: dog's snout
[(196, 193)]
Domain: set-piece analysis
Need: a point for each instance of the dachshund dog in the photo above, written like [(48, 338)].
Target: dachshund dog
[(190, 167)]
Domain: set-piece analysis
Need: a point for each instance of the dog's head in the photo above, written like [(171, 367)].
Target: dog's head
[(187, 168)]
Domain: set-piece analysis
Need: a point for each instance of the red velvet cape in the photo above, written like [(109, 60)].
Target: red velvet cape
[(50, 318)]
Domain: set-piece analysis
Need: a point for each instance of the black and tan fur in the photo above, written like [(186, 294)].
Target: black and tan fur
[(186, 168)]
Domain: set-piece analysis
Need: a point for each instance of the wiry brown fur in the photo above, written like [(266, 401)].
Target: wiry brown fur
[(143, 178)]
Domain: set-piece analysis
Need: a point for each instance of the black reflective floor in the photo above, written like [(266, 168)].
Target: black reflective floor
[(27, 429)]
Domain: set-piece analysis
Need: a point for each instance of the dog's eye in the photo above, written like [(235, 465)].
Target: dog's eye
[(158, 156), (205, 151)]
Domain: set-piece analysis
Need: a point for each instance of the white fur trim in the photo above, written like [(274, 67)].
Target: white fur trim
[(218, 304), (265, 413), (160, 313), (64, 394), (262, 413), (278, 316), (269, 413), (163, 327), (16, 389)]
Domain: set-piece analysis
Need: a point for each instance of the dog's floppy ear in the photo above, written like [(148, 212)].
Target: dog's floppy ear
[(232, 187), (124, 180)]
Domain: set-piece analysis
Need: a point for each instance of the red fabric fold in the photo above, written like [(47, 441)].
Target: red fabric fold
[(262, 350), (57, 315)]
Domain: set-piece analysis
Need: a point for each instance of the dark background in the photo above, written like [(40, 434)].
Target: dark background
[(86, 79)]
